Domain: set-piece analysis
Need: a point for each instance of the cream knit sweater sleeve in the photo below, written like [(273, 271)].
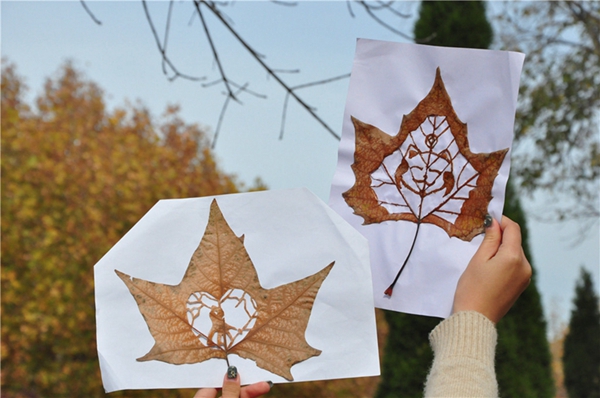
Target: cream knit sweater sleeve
[(464, 347)]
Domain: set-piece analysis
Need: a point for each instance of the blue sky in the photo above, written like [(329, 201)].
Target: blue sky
[(318, 38)]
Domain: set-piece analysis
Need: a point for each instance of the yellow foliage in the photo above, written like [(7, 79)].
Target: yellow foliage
[(75, 178)]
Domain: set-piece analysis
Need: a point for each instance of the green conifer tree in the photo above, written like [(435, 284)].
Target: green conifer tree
[(523, 354), (523, 359), (581, 358), (407, 355), (453, 24)]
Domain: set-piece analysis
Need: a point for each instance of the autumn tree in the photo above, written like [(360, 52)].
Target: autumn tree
[(557, 332), (581, 358), (558, 147), (76, 176), (523, 356)]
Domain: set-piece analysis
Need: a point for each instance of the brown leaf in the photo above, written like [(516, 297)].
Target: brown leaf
[(189, 321), (426, 173)]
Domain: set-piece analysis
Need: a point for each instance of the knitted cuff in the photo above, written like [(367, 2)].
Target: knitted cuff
[(467, 334)]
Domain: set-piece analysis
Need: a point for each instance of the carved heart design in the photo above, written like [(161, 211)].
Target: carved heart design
[(221, 322)]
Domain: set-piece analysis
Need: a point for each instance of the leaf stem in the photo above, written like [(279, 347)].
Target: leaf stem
[(390, 289)]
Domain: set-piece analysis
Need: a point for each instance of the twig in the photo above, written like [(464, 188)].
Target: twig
[(167, 29), (98, 22), (214, 50), (286, 70), (283, 115), (264, 65), (285, 3), (163, 51), (234, 84), (380, 21), (349, 6), (220, 121), (287, 96), (241, 89), (386, 5), (324, 81)]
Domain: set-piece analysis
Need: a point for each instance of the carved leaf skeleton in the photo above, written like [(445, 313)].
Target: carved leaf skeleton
[(424, 174), (189, 321)]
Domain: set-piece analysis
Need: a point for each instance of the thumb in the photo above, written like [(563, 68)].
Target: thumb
[(491, 241), (231, 383)]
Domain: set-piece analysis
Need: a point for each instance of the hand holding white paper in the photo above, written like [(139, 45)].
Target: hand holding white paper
[(288, 236), (424, 156)]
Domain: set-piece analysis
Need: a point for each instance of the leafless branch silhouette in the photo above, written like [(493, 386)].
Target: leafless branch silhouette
[(214, 9), (163, 51), (90, 13), (287, 96), (233, 90)]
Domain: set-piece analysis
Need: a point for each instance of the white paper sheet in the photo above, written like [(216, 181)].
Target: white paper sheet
[(388, 81), (289, 235)]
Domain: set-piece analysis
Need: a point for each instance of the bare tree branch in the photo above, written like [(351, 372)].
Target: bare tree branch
[(349, 6), (96, 20), (212, 7), (167, 29), (222, 116), (369, 9), (285, 3), (590, 20), (214, 51), (234, 84), (232, 89), (287, 96), (388, 6), (241, 89), (163, 50), (324, 81)]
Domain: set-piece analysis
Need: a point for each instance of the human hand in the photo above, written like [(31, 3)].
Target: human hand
[(232, 389), (496, 275)]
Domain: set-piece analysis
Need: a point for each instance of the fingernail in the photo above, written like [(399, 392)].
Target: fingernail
[(487, 222), (270, 383), (232, 372)]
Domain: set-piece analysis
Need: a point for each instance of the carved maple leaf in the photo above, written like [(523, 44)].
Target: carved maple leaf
[(425, 174), (220, 308)]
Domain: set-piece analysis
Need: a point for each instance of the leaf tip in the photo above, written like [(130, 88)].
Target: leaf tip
[(121, 275)]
